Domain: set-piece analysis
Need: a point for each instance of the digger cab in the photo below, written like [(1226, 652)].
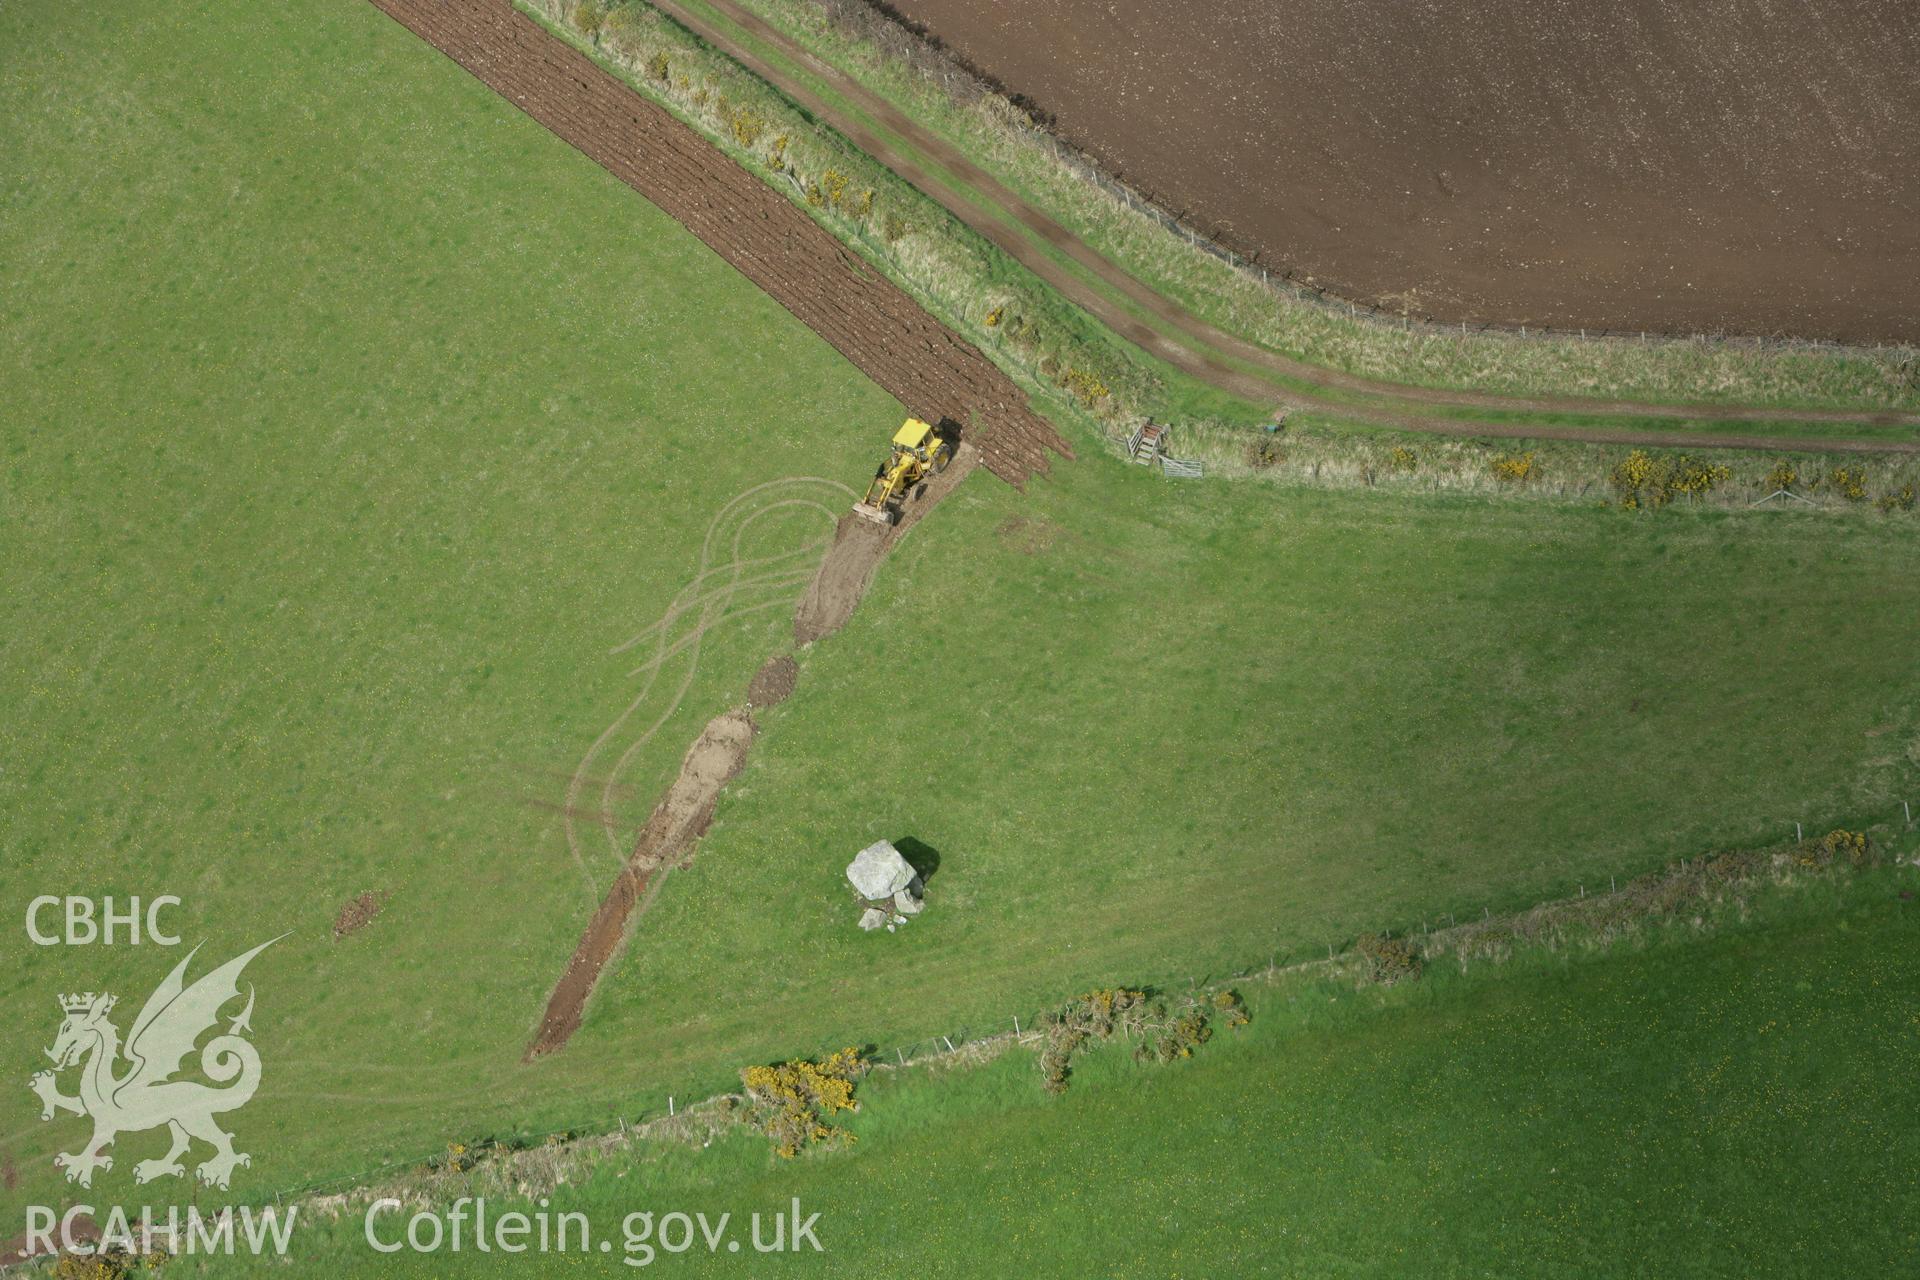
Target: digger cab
[(915, 437)]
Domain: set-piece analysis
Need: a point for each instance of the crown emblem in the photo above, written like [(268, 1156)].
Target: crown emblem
[(85, 1003)]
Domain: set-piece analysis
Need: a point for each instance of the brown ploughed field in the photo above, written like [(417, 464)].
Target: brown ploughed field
[(1675, 166)]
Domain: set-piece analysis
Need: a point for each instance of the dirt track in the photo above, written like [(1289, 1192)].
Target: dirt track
[(764, 236), (679, 820), (1738, 166)]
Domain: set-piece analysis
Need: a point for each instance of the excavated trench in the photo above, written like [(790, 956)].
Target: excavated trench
[(678, 821), (717, 756)]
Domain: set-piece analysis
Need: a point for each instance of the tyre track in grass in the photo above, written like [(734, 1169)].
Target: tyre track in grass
[(719, 610), (715, 605), (863, 315), (720, 752), (877, 326)]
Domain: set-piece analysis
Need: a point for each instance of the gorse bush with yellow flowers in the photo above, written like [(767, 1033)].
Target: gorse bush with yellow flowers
[(1849, 482), (1265, 452), (1838, 845), (793, 1102), (1642, 479), (1514, 468), (108, 1264), (1087, 388)]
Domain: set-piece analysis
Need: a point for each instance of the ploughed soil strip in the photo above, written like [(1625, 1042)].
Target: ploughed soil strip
[(682, 817), (931, 370)]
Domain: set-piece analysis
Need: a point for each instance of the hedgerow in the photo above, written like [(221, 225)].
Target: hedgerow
[(1165, 1029)]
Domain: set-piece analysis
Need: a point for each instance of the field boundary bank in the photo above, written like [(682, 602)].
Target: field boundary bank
[(1211, 364), (725, 100), (1472, 943), (888, 335), (949, 64), (1700, 477)]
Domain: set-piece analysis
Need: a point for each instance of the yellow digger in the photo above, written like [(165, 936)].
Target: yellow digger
[(919, 451)]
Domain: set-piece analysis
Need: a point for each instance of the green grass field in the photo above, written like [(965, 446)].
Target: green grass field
[(1727, 1105), (353, 421), (1169, 731)]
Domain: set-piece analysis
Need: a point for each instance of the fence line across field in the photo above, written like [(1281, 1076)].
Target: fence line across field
[(1015, 1029)]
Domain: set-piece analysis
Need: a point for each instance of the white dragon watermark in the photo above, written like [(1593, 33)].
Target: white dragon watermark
[(145, 1096)]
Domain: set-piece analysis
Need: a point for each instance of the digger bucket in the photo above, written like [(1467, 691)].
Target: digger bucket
[(867, 511)]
